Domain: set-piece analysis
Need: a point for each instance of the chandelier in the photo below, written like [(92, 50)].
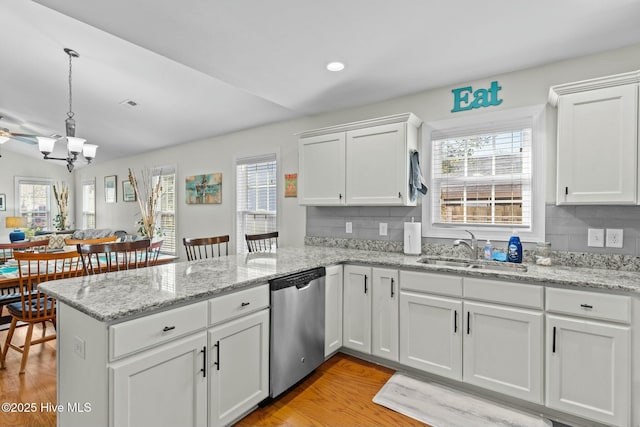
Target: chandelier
[(75, 146)]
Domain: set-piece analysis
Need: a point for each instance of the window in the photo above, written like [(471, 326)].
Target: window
[(167, 177), (89, 204), (33, 200), (256, 195), (485, 177)]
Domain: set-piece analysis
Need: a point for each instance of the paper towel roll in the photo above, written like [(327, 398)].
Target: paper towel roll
[(412, 238)]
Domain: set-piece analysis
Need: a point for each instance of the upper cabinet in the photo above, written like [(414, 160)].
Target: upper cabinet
[(597, 140), (363, 163)]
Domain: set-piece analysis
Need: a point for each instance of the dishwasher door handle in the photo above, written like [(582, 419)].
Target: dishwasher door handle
[(302, 286)]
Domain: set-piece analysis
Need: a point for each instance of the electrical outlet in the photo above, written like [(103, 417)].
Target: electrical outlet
[(614, 237), (348, 228), (595, 237), (78, 346), (383, 228)]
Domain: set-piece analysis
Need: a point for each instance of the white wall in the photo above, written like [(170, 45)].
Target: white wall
[(520, 88), (14, 164)]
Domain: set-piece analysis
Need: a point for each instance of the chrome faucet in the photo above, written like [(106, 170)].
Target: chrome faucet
[(472, 247)]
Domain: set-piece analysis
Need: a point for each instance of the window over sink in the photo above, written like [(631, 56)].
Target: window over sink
[(486, 176)]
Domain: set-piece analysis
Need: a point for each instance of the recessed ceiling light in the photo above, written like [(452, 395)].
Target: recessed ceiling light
[(129, 103), (335, 66)]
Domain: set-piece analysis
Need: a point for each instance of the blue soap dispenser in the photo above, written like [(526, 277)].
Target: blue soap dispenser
[(514, 249)]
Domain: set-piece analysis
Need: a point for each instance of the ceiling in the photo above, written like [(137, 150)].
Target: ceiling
[(201, 68)]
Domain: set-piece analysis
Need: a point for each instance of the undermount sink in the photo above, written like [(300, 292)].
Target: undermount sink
[(474, 264)]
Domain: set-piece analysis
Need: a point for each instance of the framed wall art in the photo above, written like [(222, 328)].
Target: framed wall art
[(204, 189), (110, 189), (128, 193), (291, 185), (3, 202)]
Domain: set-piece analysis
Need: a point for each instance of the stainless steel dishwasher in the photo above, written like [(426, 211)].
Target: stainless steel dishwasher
[(297, 328)]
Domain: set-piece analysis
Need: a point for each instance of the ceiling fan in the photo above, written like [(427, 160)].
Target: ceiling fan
[(28, 134)]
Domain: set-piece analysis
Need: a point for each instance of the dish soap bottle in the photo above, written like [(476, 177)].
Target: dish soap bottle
[(514, 250), (488, 251)]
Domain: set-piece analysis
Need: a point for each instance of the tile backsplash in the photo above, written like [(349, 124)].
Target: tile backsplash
[(566, 226)]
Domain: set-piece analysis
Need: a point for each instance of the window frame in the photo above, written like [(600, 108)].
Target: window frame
[(18, 180), (156, 173), (86, 212), (482, 122)]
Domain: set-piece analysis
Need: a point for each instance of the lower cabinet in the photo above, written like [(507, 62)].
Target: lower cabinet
[(238, 367), (333, 310), (385, 313), (356, 319), (163, 386)]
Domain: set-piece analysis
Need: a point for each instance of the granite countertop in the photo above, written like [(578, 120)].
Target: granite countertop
[(119, 295)]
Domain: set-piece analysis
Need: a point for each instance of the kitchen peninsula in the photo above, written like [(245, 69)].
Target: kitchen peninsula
[(123, 325)]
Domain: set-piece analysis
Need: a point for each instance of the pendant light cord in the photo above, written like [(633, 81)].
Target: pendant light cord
[(70, 114)]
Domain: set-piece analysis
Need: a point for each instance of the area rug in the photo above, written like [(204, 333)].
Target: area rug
[(440, 406)]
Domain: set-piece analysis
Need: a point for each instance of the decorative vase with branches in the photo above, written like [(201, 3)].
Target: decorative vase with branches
[(148, 194), (61, 194)]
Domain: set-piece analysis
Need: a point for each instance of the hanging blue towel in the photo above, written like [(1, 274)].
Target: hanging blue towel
[(416, 181)]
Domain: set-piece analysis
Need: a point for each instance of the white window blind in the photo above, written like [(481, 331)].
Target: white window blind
[(167, 177), (256, 197), (89, 204), (483, 175), (34, 202)]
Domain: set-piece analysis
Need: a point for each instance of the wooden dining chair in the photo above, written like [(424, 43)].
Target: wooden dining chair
[(114, 256), (34, 305), (205, 247), (265, 242), (154, 251)]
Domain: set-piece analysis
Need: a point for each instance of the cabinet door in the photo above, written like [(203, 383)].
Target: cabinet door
[(322, 170), (377, 161), (238, 366), (165, 386), (588, 369), (356, 331), (431, 333), (333, 310), (597, 131), (384, 313), (503, 350)]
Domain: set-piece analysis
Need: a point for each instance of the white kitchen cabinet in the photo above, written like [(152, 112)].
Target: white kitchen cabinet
[(333, 310), (363, 163), (321, 179), (162, 387), (588, 361), (385, 313), (597, 131), (431, 333), (238, 367), (356, 331), (503, 349)]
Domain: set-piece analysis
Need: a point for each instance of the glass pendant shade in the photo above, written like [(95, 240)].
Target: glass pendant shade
[(46, 144), (89, 151), (74, 145)]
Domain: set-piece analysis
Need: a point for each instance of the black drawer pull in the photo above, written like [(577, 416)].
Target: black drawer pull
[(392, 293), (586, 306), (204, 361), (455, 321), (217, 362), (554, 340), (365, 284), (244, 304), (168, 328), (468, 322)]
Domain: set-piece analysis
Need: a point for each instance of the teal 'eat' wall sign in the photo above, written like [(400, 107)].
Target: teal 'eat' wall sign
[(481, 97)]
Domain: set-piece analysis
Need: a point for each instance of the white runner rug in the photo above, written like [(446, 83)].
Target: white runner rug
[(440, 406)]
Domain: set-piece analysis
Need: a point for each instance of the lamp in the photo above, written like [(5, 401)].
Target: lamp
[(75, 145), (15, 222)]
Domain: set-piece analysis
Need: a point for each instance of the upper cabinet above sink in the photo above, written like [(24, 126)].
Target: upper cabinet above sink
[(358, 164), (597, 140)]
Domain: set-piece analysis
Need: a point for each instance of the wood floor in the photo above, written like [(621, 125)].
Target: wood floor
[(338, 393), (36, 386)]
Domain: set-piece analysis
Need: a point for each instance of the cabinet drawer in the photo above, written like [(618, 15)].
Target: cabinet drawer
[(504, 292), (237, 304), (432, 283), (134, 335), (616, 308)]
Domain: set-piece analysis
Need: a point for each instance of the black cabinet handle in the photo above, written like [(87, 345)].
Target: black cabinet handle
[(468, 322), (204, 361), (455, 321), (168, 328), (566, 191), (365, 283), (554, 340), (392, 293), (217, 362), (244, 304), (586, 306), (399, 195), (340, 196)]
